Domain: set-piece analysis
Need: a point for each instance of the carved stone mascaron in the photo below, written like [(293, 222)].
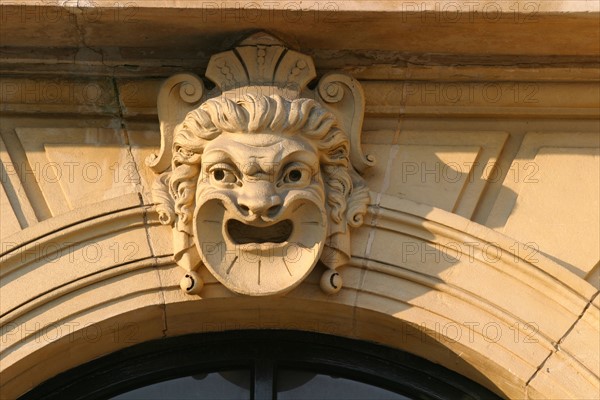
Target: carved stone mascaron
[(259, 177)]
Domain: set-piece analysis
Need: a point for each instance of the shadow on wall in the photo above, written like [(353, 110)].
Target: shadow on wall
[(550, 200)]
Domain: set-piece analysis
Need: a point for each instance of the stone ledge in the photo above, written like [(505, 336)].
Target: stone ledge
[(27, 94), (522, 6), (197, 29)]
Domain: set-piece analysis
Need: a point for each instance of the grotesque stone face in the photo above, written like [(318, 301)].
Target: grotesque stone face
[(258, 177), (260, 221), (260, 186)]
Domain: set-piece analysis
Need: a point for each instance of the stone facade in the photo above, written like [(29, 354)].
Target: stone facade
[(478, 243)]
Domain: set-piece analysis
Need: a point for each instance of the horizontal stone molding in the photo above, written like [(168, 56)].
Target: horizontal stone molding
[(388, 96), (516, 28)]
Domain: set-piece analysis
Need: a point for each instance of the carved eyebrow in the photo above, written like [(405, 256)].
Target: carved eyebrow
[(217, 156), (303, 156)]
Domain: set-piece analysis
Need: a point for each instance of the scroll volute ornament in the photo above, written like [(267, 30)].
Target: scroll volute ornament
[(259, 178)]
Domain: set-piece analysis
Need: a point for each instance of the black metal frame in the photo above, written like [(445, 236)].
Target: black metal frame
[(263, 352)]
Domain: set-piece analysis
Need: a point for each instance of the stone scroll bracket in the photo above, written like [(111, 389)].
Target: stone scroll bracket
[(265, 179), (339, 91), (177, 96)]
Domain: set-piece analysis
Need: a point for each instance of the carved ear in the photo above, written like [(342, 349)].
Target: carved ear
[(178, 95), (344, 96)]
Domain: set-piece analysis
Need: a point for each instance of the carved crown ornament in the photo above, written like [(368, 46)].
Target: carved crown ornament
[(259, 176)]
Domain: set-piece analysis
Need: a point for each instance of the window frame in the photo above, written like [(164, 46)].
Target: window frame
[(264, 352)]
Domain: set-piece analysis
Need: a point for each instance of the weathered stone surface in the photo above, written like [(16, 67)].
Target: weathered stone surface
[(475, 28), (548, 164), (479, 248)]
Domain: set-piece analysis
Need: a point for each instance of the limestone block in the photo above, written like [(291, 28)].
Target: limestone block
[(58, 95), (554, 175), (106, 172), (143, 143), (425, 337), (448, 170), (16, 210), (119, 313), (69, 169), (55, 318), (435, 175), (67, 256), (448, 342), (582, 341), (410, 97), (71, 218), (427, 27), (562, 377), (159, 236), (427, 256), (10, 223), (138, 97)]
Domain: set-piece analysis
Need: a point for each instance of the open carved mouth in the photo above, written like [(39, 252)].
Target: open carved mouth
[(242, 233)]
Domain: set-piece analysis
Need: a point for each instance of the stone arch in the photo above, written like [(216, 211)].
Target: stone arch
[(457, 293)]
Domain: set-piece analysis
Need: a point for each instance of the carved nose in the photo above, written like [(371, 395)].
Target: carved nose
[(260, 200)]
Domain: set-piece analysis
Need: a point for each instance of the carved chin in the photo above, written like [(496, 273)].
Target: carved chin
[(260, 258)]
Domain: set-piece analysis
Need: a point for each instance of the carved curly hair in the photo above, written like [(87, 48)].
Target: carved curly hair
[(347, 195)]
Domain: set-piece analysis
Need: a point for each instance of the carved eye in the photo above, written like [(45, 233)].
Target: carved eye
[(296, 174), (219, 174), (184, 152), (223, 174)]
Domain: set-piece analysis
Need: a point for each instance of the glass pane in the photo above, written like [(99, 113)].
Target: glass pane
[(301, 385), (223, 385)]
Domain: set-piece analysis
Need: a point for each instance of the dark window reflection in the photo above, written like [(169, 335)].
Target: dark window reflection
[(225, 385), (301, 385)]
